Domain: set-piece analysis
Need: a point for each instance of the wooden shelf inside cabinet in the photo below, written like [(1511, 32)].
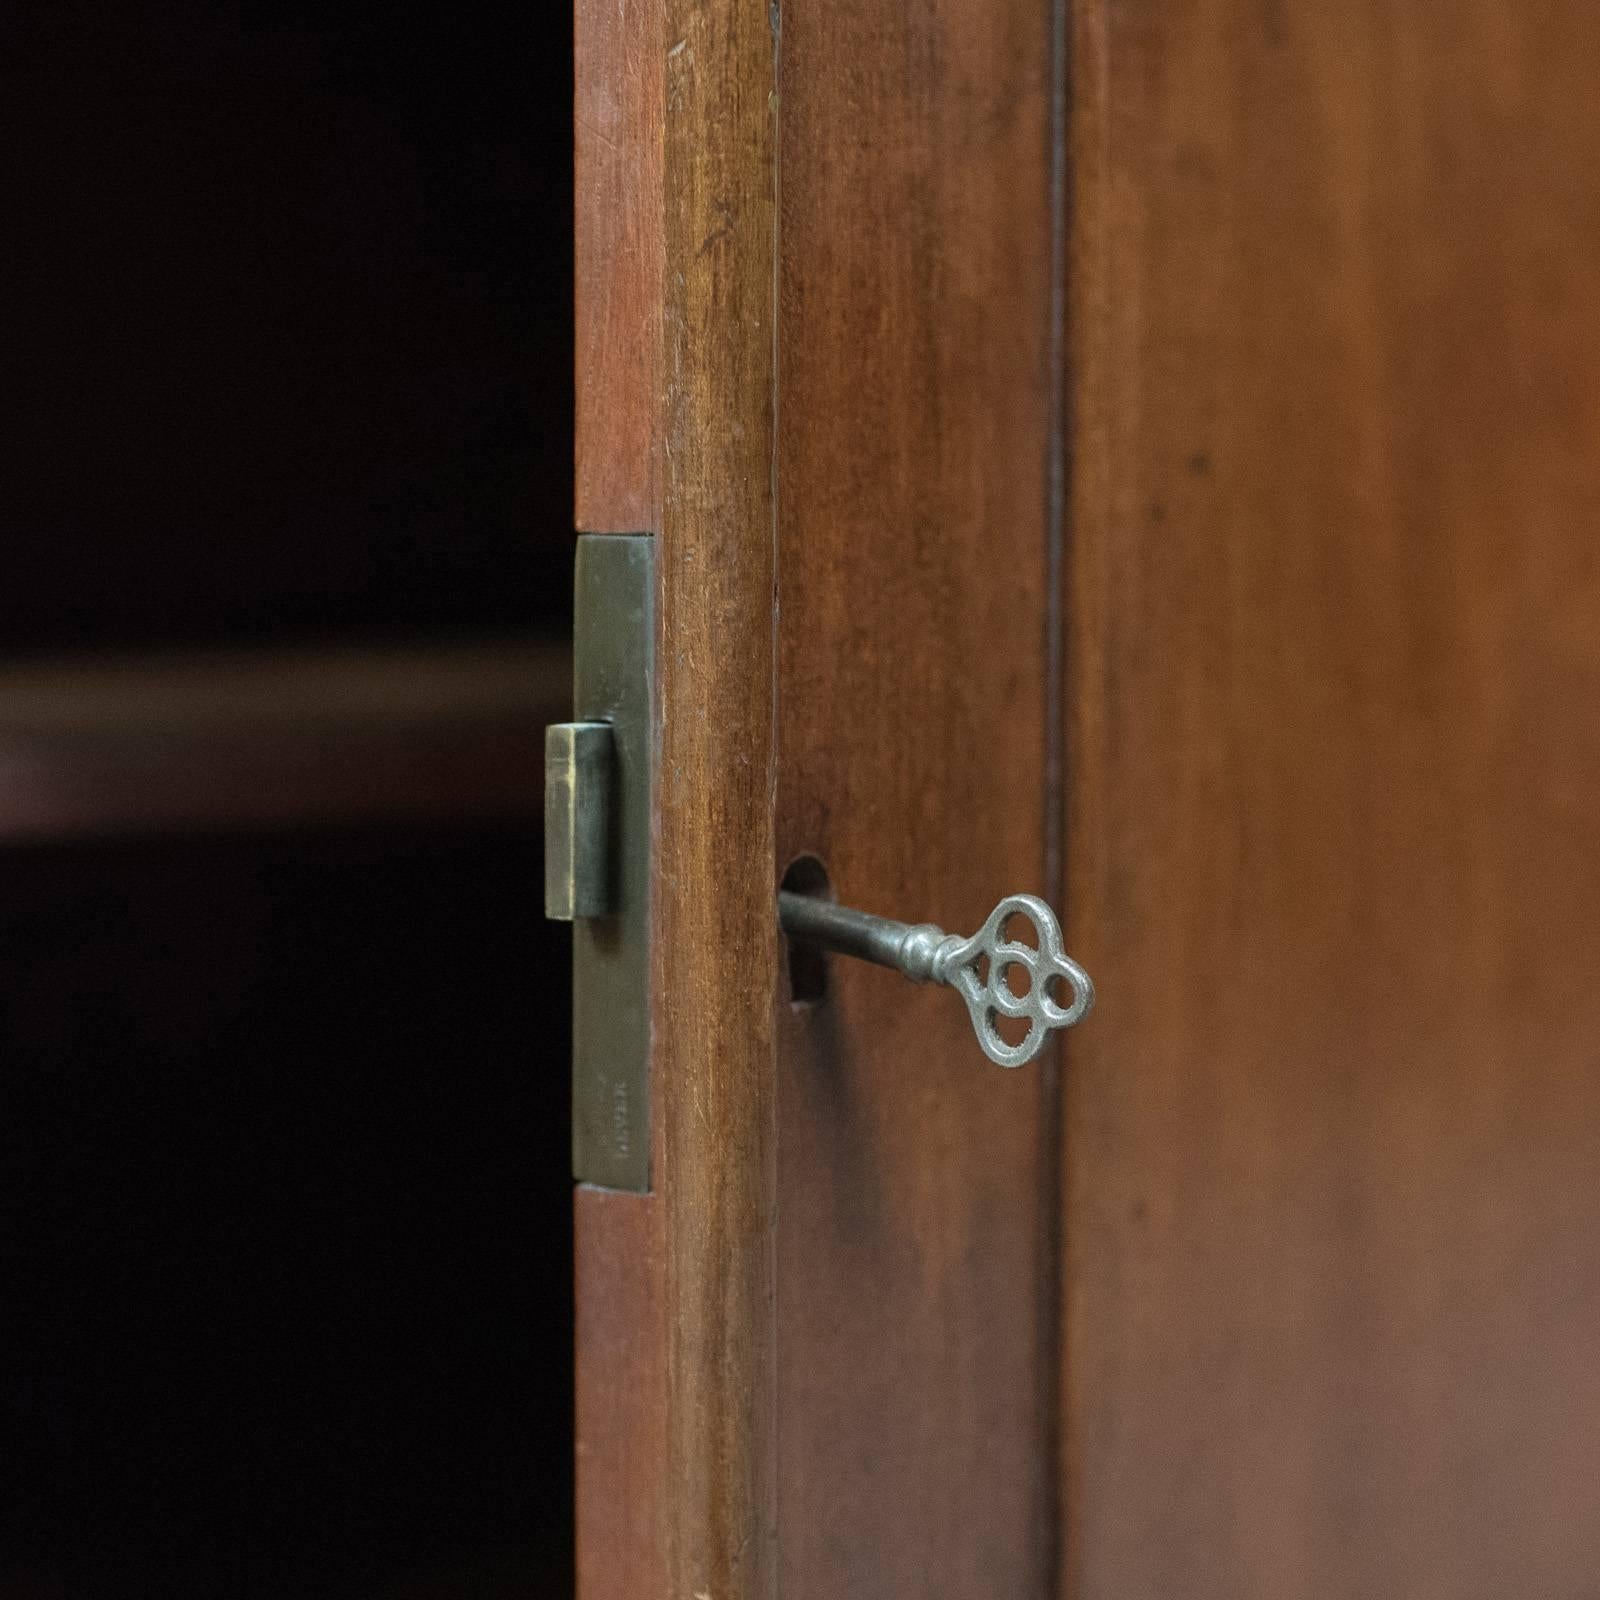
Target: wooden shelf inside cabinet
[(99, 747)]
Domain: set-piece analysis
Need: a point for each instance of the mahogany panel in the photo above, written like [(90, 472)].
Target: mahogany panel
[(619, 84), (1334, 1299), (916, 1184)]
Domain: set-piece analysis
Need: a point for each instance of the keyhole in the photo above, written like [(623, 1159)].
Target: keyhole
[(808, 965)]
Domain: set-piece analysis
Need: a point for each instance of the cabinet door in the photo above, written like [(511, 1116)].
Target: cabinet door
[(1333, 1286), (820, 1354), (1270, 612)]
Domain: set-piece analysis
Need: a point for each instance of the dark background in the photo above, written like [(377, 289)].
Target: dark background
[(288, 320), (284, 1195)]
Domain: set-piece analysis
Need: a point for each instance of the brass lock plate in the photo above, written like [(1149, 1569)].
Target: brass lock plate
[(599, 771)]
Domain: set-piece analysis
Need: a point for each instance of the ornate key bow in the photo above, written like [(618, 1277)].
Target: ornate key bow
[(976, 968)]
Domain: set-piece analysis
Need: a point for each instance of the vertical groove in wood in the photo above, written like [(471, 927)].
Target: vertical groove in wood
[(1084, 512), (1052, 1117), (618, 102), (715, 924)]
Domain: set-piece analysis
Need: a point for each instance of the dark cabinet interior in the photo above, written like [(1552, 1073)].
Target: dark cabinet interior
[(289, 353), (285, 1237), (285, 1262)]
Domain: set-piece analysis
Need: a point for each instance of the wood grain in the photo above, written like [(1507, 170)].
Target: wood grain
[(1334, 1308), (619, 86), (714, 918), (916, 1186)]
